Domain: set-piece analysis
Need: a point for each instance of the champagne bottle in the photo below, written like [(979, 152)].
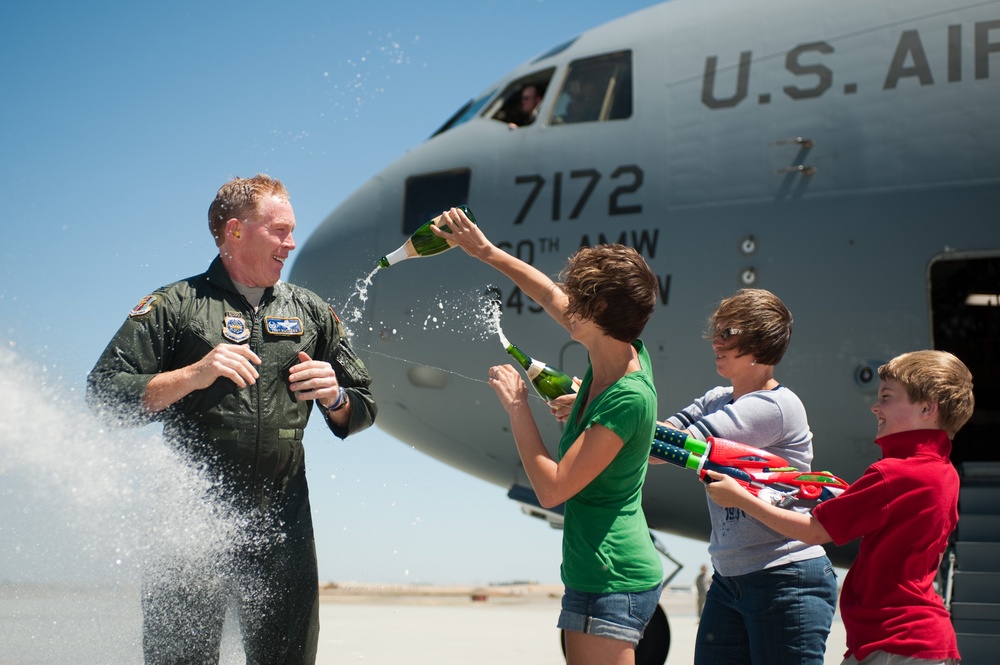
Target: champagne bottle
[(423, 242), (547, 380)]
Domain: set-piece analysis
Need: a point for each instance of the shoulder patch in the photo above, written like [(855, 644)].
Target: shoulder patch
[(144, 307), (338, 324)]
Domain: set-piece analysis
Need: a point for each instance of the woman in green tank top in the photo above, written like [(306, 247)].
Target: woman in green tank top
[(610, 568)]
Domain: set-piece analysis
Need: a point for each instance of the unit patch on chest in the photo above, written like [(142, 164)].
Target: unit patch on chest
[(234, 328), (280, 325)]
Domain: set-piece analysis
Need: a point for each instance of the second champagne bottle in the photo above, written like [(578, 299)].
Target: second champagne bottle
[(548, 381)]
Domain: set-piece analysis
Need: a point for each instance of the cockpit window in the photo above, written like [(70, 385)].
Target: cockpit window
[(595, 90), (518, 105), (467, 112)]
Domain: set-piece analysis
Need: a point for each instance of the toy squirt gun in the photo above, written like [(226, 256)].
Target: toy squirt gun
[(765, 475)]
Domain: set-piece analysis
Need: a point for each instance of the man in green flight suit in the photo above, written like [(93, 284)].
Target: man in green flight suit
[(231, 362)]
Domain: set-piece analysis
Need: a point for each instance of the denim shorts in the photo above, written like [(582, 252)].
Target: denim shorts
[(620, 616)]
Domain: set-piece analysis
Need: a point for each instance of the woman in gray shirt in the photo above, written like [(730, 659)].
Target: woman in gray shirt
[(772, 599)]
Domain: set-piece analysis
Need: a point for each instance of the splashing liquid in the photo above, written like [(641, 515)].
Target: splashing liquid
[(88, 512), (356, 313)]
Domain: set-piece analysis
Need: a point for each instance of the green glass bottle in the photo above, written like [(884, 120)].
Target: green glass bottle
[(547, 380), (423, 242)]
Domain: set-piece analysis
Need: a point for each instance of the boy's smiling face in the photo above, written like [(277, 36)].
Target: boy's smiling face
[(896, 413)]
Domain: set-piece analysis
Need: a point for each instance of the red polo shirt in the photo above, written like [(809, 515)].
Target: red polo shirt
[(903, 508)]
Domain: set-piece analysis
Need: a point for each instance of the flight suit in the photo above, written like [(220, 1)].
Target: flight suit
[(248, 442)]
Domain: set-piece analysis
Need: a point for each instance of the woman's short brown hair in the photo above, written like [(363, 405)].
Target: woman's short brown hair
[(613, 286), (758, 323)]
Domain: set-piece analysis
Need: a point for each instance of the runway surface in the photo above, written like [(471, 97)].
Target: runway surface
[(493, 629), (363, 624)]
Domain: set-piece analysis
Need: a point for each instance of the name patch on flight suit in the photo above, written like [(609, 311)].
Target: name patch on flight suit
[(287, 326), (234, 328), (144, 306)]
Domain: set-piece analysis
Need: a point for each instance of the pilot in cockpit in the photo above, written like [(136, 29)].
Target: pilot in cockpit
[(530, 100)]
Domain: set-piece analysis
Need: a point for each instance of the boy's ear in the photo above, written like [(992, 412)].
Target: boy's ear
[(929, 410)]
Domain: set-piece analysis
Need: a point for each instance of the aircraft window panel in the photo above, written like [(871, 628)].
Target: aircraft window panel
[(427, 196), (555, 50), (595, 90), (519, 103), (466, 113), (559, 110), (620, 106)]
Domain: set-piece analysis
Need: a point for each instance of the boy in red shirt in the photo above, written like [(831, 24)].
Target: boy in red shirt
[(903, 508)]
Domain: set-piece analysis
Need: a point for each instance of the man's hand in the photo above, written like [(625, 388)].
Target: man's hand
[(235, 362), (314, 379)]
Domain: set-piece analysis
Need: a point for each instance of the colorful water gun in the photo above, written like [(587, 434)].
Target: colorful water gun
[(762, 473)]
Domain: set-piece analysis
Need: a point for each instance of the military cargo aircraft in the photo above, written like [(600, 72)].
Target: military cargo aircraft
[(844, 155)]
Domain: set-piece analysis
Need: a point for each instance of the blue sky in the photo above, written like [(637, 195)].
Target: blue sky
[(119, 121)]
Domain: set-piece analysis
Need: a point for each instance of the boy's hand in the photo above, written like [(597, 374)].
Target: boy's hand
[(728, 493), (725, 491)]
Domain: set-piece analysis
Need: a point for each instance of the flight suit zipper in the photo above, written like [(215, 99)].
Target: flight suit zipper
[(256, 342)]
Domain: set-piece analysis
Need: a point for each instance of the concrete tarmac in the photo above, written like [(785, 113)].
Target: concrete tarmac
[(479, 625)]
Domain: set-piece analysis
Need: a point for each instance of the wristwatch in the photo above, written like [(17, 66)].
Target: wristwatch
[(343, 399)]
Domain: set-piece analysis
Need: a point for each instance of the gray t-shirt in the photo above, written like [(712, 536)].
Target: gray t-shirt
[(774, 420)]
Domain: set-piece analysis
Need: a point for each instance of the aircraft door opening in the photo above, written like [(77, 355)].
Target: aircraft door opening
[(965, 319)]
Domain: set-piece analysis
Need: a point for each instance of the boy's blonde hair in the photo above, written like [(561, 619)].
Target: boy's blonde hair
[(935, 376)]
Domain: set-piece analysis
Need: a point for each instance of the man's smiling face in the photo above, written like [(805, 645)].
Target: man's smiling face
[(264, 243)]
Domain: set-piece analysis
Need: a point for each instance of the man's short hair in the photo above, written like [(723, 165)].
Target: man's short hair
[(240, 198)]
